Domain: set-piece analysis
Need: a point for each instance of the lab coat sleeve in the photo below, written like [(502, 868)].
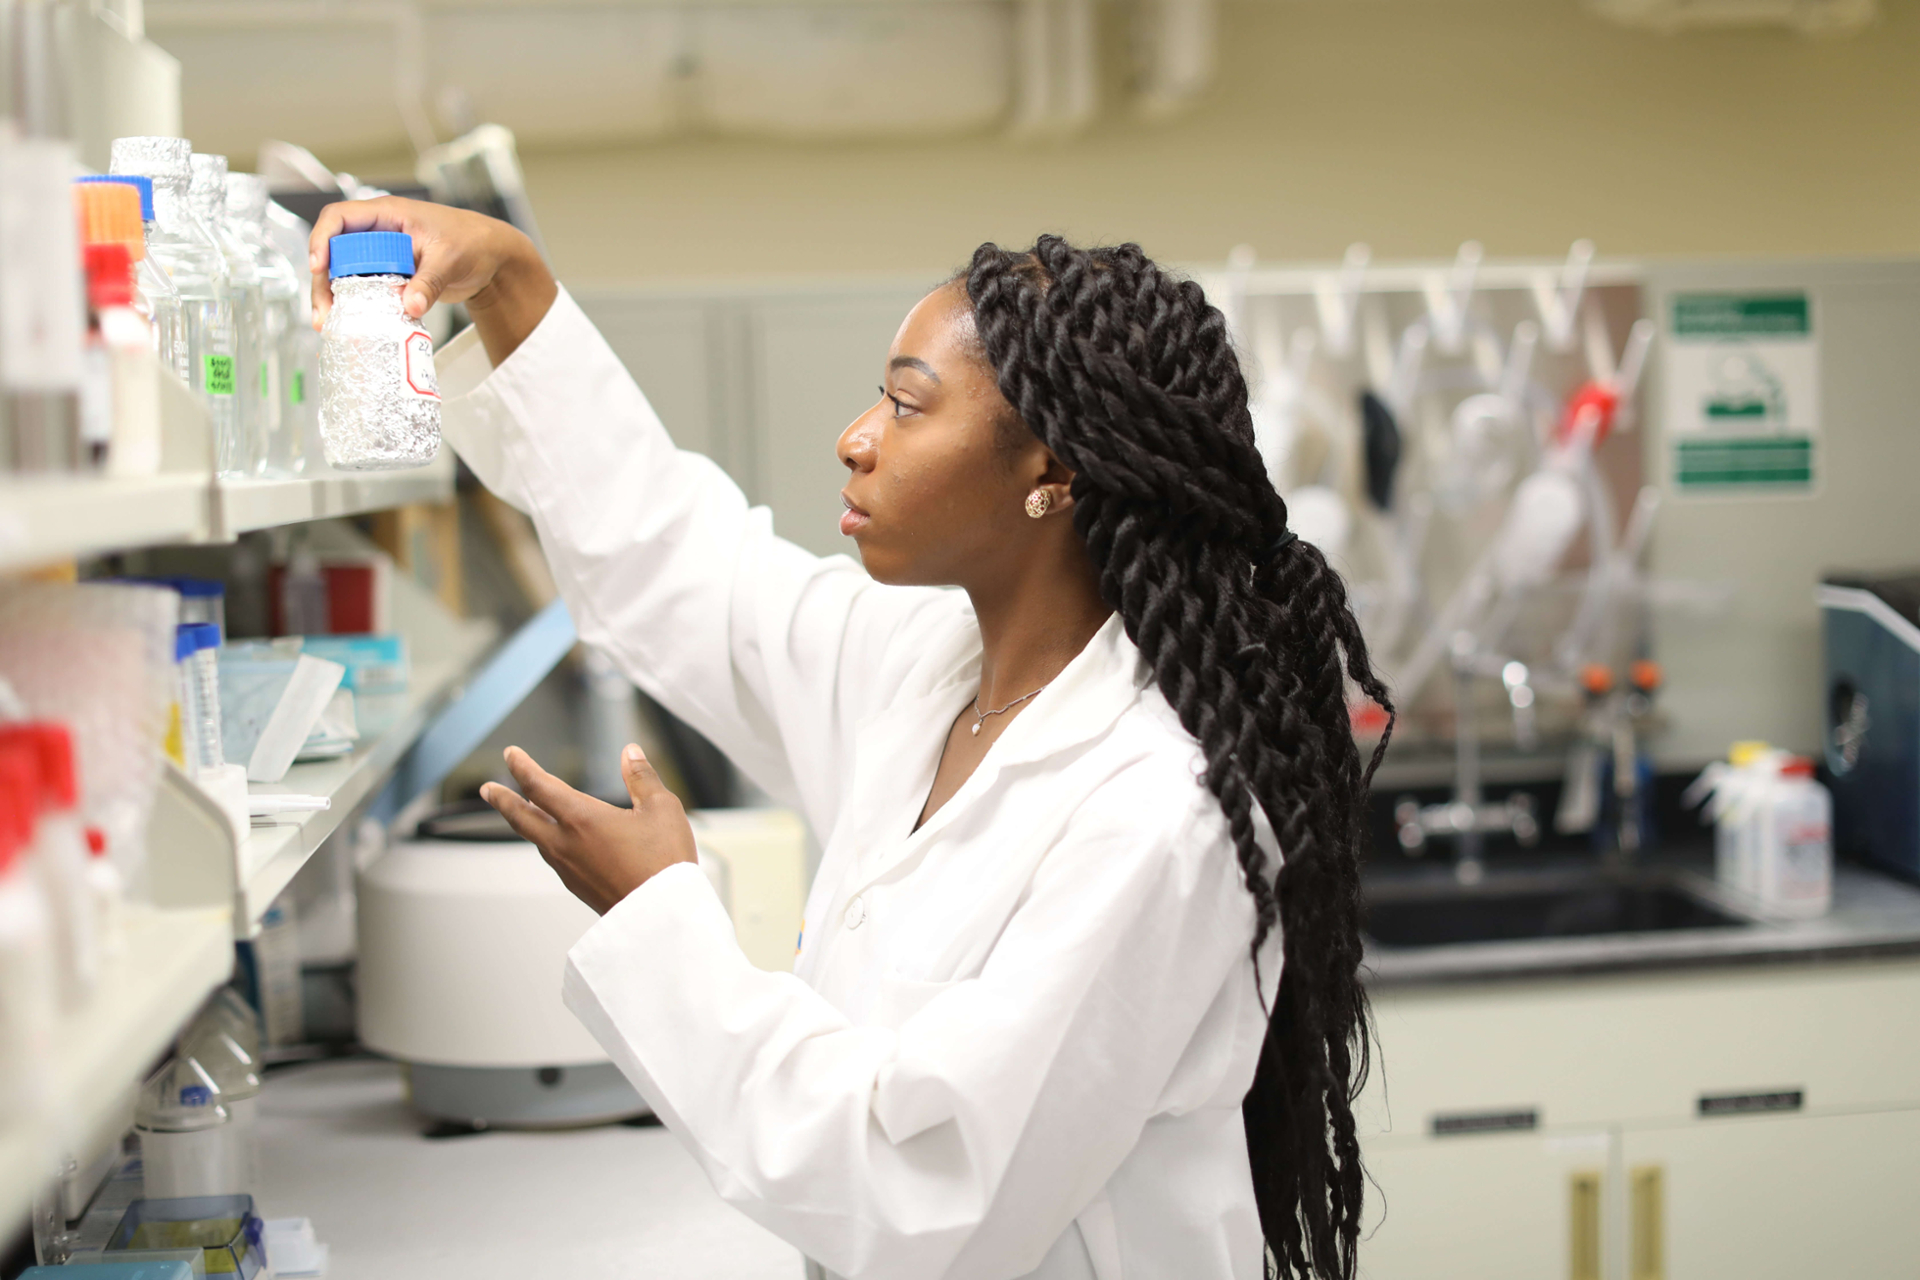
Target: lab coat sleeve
[(964, 1142), (771, 652)]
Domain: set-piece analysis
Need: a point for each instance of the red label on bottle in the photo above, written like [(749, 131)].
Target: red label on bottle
[(419, 371)]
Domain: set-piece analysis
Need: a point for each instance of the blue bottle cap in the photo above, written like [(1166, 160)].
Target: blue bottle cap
[(138, 181), (196, 1095), (370, 253), (185, 642), (206, 635)]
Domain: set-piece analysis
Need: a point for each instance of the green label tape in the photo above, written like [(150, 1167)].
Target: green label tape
[(266, 388), (219, 370), (297, 387)]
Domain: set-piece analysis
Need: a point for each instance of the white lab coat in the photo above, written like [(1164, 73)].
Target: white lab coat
[(1016, 1041)]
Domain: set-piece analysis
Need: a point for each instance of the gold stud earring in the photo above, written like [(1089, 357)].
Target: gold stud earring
[(1039, 502)]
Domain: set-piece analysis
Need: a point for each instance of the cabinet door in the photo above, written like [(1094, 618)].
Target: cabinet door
[(667, 345), (1507, 1207), (1765, 1198)]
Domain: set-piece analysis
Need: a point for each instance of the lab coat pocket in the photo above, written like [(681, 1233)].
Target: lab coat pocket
[(898, 999)]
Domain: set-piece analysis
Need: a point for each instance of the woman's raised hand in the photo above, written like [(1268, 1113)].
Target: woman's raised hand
[(600, 851), (460, 256)]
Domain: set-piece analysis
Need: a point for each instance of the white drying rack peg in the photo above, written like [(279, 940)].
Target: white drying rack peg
[(1601, 365), (1398, 393), (1337, 298), (1621, 377), (1633, 361), (1558, 296), (1449, 296), (1513, 376), (1625, 378)]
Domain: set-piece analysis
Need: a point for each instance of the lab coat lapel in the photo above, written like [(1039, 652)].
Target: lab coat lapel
[(1084, 700)]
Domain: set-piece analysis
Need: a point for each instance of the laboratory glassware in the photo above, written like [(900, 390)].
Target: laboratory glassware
[(379, 398), (283, 321), (234, 1070), (228, 1011), (207, 193), (195, 263)]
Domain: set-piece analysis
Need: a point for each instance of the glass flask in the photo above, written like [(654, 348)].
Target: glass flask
[(379, 398)]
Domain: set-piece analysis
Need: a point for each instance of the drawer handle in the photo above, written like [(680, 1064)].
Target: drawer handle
[(1583, 1224), (1647, 1245)]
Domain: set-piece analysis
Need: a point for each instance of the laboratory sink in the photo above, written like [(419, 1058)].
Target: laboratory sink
[(1438, 912)]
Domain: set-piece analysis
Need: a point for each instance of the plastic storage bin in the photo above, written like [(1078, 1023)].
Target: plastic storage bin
[(223, 1228), (146, 1269)]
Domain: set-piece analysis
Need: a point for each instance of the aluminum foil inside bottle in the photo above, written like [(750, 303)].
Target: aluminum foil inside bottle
[(379, 397)]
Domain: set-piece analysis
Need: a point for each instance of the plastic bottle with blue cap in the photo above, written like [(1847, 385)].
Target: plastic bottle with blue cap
[(181, 1120), (379, 397)]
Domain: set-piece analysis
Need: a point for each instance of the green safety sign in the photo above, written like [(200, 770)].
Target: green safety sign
[(1736, 315), (1742, 392)]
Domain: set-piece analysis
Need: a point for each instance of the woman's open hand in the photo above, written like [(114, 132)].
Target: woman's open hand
[(602, 853), (459, 255)]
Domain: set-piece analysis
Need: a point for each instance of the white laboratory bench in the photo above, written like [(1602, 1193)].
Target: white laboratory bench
[(340, 1146)]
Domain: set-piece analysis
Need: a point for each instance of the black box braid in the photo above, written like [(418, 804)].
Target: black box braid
[(1130, 378)]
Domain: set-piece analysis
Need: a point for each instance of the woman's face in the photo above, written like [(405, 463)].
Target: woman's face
[(936, 496)]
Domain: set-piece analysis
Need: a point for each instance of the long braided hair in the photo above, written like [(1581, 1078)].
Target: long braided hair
[(1130, 378)]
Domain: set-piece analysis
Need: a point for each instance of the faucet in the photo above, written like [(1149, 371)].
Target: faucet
[(1468, 818), (1629, 708), (1516, 678)]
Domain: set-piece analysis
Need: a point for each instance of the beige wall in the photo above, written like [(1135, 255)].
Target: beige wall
[(1410, 124)]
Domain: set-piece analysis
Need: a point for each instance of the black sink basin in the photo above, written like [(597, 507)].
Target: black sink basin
[(1526, 907)]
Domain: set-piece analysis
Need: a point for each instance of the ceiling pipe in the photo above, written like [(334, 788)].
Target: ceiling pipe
[(403, 19)]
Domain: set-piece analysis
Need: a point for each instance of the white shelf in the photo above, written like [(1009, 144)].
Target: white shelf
[(173, 958), (49, 518), (243, 505), (44, 519), (60, 517), (271, 855)]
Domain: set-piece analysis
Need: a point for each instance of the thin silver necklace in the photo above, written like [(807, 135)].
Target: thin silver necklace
[(980, 717)]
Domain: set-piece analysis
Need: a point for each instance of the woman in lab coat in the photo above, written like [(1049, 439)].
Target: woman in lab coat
[(1027, 1031)]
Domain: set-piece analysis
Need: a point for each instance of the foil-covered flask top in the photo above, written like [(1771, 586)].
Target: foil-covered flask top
[(152, 157), (207, 190)]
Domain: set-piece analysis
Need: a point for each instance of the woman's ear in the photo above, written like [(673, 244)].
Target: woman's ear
[(1057, 482)]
